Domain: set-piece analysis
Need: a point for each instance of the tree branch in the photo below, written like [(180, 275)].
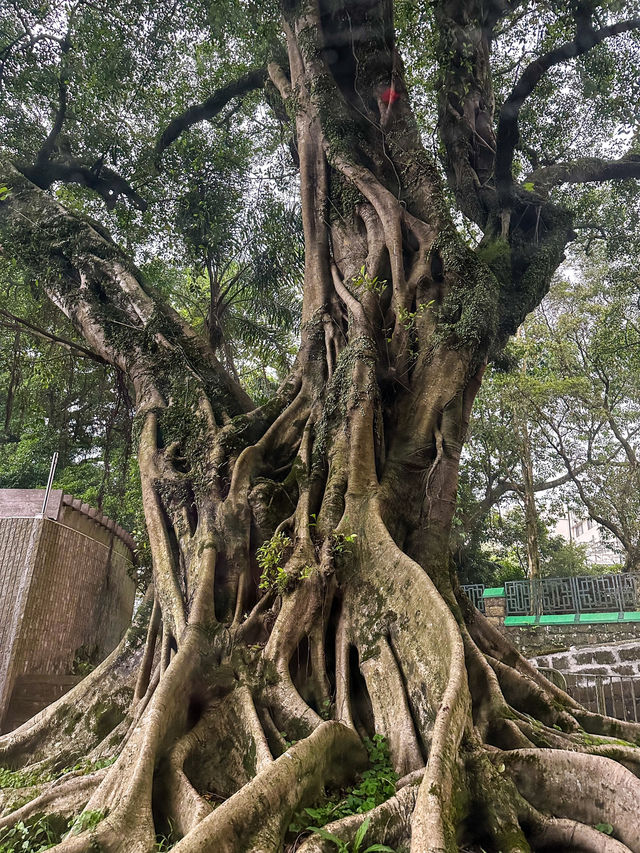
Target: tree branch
[(208, 109), (586, 170), (78, 349), (508, 133), (613, 528), (107, 183)]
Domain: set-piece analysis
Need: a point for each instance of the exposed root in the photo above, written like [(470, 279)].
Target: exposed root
[(628, 756), (491, 713), (390, 709), (66, 796), (608, 726), (389, 823), (524, 694), (58, 736), (490, 815), (183, 807), (561, 834), (444, 678), (226, 749), (256, 818), (586, 788), (490, 641)]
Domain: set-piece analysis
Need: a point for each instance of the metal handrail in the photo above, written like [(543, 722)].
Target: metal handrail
[(611, 695), (582, 594)]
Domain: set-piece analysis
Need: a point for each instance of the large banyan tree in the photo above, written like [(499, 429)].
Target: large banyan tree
[(303, 598)]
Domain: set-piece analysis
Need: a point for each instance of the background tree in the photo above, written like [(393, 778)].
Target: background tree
[(57, 396), (576, 389), (510, 479), (301, 548), (589, 333)]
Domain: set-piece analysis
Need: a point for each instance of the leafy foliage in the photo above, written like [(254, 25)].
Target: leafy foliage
[(42, 832), (375, 786), (575, 385), (86, 821), (270, 558), (358, 840)]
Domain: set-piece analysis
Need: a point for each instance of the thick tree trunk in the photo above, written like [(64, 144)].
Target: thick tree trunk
[(529, 499), (347, 479)]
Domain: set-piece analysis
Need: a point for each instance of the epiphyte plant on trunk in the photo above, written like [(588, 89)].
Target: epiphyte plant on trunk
[(352, 466)]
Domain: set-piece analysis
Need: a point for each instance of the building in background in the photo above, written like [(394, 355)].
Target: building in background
[(586, 531), (66, 596)]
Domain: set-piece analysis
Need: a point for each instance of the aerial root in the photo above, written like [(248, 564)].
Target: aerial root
[(146, 665), (390, 708), (257, 816), (389, 823), (140, 707), (524, 694), (587, 788)]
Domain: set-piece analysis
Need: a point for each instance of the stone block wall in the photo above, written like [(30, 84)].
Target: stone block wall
[(617, 658), (80, 600), (535, 641), (64, 592)]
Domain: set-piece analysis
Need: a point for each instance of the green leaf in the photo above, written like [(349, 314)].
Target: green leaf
[(606, 828), (329, 836), (360, 834)]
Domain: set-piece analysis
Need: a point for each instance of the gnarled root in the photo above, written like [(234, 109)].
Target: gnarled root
[(576, 786), (66, 797), (389, 823), (561, 834), (257, 817)]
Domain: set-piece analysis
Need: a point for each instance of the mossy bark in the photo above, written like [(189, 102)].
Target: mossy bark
[(355, 461)]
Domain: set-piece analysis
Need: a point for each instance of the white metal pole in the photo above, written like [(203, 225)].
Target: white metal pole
[(52, 471)]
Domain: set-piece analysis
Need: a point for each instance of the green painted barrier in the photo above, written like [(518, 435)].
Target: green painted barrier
[(520, 620), (573, 618), (493, 592), (558, 619), (594, 618)]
